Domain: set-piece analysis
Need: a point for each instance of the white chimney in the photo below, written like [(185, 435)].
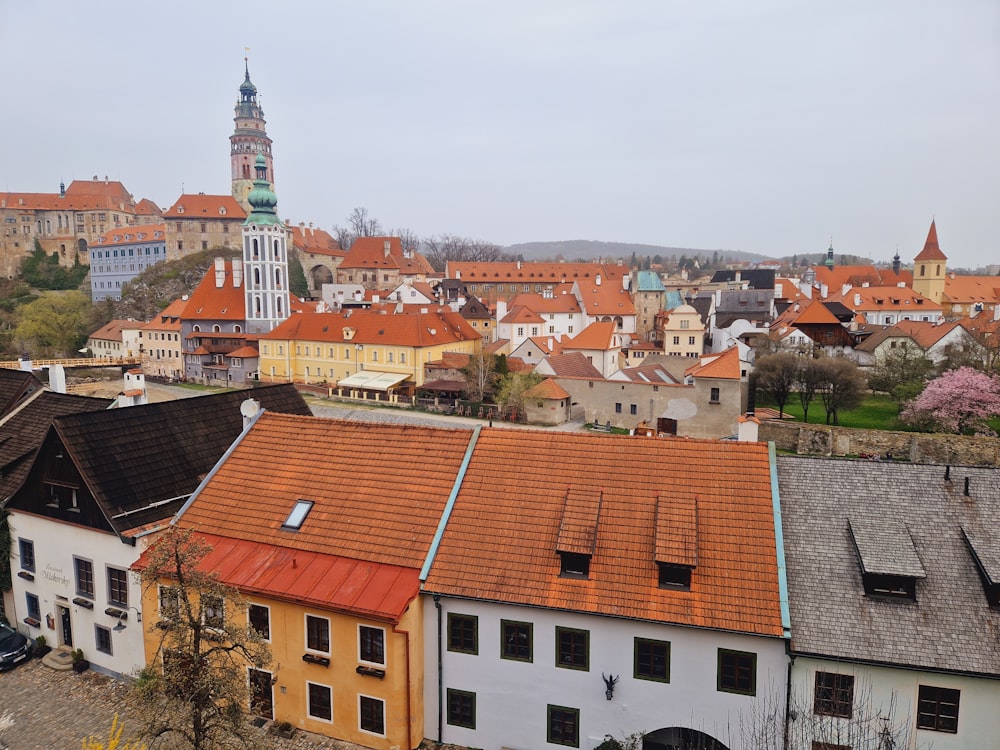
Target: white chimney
[(220, 273), (626, 281), (57, 378), (823, 289), (597, 279), (237, 273), (857, 300), (458, 275), (519, 265), (386, 247)]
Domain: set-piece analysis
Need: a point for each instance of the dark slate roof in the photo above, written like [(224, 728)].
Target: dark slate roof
[(757, 278), (141, 462), (22, 432), (926, 520), (15, 385)]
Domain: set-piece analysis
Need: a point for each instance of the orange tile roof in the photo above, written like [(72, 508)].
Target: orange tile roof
[(521, 314), (932, 250), (146, 207), (971, 289), (534, 273), (244, 352), (209, 302), (113, 331), (726, 365), (606, 299), (557, 303), (132, 234), (855, 276), (599, 336), (547, 389), (315, 241), (815, 313), (677, 530), (379, 490), (369, 252), (409, 328), (578, 525), (547, 344), (889, 298), (573, 365), (506, 551), (201, 206)]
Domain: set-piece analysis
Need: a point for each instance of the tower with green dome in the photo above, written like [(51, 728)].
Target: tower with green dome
[(248, 141), (265, 256)]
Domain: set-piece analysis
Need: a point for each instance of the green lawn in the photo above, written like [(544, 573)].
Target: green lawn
[(874, 413)]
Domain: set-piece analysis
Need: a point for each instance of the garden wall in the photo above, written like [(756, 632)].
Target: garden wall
[(918, 447)]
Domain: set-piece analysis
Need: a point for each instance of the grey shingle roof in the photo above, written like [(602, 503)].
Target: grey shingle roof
[(951, 626)]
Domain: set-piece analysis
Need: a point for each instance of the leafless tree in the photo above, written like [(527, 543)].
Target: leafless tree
[(360, 223), (441, 249)]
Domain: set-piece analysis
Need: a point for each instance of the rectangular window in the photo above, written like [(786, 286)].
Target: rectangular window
[(737, 672), (572, 648), (318, 634), (618, 408), (463, 633), (84, 577), (372, 712), (34, 608), (834, 694), (169, 603), (26, 551), (102, 637), (320, 702), (371, 646), (652, 660), (937, 709), (690, 340), (461, 708), (260, 620), (520, 331), (564, 726), (118, 587), (713, 396), (677, 340), (213, 611), (633, 409), (515, 640)]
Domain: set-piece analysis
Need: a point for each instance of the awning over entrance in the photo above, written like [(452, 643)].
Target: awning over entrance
[(372, 380)]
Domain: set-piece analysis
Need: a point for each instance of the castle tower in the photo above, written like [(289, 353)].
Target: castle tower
[(265, 256), (930, 268), (247, 141)]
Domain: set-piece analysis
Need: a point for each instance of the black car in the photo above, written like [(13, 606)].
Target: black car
[(14, 647)]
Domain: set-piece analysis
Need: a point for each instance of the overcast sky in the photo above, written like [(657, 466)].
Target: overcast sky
[(767, 126)]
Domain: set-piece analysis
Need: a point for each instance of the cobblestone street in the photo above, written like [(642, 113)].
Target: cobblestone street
[(56, 710)]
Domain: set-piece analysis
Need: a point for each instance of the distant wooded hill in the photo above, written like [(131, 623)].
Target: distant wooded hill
[(574, 250)]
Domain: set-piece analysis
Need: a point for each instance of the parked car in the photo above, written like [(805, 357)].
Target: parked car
[(14, 647)]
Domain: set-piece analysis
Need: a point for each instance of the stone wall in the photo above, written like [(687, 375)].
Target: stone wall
[(919, 447)]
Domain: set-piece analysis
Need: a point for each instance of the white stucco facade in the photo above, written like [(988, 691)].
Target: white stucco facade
[(885, 692), (512, 697), (53, 580)]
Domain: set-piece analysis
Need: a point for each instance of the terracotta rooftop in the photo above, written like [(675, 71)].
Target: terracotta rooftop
[(599, 336), (414, 329), (210, 302), (533, 273), (315, 241), (369, 253), (522, 314), (726, 365), (113, 331), (198, 206), (932, 250), (572, 365), (132, 234), (547, 389)]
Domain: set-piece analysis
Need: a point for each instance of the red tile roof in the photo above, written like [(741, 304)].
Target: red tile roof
[(533, 273), (522, 314), (726, 365), (113, 331), (931, 249), (132, 234), (415, 329), (557, 303), (315, 241), (369, 253), (209, 302), (201, 206), (547, 389), (599, 336), (507, 551), (573, 365)]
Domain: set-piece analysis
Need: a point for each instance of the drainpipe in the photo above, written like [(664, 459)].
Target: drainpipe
[(788, 695), (437, 605), (409, 707)]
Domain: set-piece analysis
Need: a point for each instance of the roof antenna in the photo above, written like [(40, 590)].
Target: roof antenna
[(947, 473)]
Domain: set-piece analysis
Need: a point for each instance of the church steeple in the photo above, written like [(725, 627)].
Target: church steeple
[(930, 267), (248, 140)]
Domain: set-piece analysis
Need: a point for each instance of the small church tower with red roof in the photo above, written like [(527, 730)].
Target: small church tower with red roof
[(248, 140), (930, 268)]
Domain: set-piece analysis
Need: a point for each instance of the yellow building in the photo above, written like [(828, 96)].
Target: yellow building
[(334, 347), (327, 555), (683, 332)]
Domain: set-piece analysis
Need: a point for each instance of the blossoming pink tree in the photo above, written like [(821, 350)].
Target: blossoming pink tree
[(959, 401)]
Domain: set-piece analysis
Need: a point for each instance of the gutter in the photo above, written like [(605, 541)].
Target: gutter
[(450, 505), (779, 542)]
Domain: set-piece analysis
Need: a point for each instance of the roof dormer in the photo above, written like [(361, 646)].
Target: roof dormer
[(676, 536), (986, 556), (890, 566), (578, 532)]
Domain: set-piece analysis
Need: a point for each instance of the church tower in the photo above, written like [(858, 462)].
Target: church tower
[(247, 141), (265, 256), (930, 268)]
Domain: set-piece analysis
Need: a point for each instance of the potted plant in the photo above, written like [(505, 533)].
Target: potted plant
[(283, 729), (79, 663), (41, 649)]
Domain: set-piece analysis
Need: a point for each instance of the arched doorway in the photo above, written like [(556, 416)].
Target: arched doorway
[(680, 738), (320, 275)]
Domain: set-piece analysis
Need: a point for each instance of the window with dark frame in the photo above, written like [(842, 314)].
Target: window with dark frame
[(320, 702), (372, 714), (574, 565), (317, 634), (102, 638), (737, 672), (652, 660), (713, 396), (572, 648), (515, 640), (674, 576), (462, 708), (834, 694), (84, 577), (371, 646), (213, 611), (937, 709), (26, 551), (260, 620), (118, 587), (34, 608), (563, 726), (463, 633)]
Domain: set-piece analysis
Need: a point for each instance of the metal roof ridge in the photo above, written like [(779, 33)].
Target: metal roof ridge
[(779, 539)]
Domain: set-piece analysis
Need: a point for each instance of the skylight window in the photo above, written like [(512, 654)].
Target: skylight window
[(298, 515)]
